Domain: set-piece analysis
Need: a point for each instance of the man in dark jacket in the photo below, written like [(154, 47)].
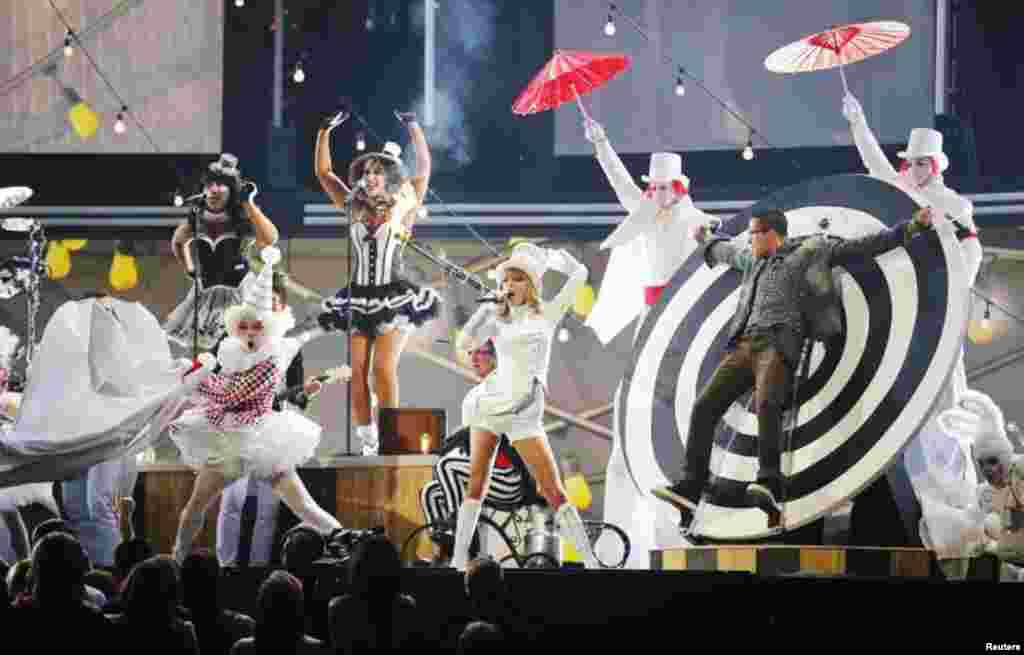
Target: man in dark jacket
[(764, 345)]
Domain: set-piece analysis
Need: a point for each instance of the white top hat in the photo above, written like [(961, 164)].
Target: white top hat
[(260, 293), (529, 259), (925, 142), (666, 167), (226, 165)]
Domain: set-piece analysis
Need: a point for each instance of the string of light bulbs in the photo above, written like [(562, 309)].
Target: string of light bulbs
[(119, 125), (680, 89)]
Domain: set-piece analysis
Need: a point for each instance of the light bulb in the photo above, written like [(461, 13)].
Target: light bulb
[(609, 27), (239, 3), (300, 75), (563, 335), (68, 49), (124, 273), (178, 200), (680, 89), (748, 152), (119, 126), (58, 260), (360, 143)]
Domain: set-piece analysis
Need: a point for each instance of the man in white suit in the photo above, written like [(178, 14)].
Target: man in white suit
[(647, 249)]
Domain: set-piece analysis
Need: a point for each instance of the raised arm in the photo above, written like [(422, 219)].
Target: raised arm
[(867, 145), (888, 239), (721, 250), (264, 229), (421, 179), (561, 261), (628, 193), (332, 185)]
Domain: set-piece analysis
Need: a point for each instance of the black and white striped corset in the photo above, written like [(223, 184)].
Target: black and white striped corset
[(378, 257)]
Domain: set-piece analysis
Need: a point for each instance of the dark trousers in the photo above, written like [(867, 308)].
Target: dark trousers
[(755, 363)]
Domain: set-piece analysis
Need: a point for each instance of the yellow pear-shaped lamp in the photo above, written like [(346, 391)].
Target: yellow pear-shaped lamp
[(83, 118), (58, 260), (124, 271)]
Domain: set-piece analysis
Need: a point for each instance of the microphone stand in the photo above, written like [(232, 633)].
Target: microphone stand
[(197, 270), (348, 321)]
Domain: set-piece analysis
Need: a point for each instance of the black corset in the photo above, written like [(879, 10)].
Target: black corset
[(220, 261)]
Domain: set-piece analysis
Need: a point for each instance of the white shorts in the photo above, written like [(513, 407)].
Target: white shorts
[(517, 415)]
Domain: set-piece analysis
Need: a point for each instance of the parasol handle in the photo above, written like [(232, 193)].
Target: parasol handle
[(579, 103), (842, 76)]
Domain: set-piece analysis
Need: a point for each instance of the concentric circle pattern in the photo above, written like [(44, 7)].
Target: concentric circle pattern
[(868, 391)]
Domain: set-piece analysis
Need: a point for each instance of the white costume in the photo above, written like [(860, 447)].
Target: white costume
[(510, 400), (1002, 506), (647, 249), (233, 430), (932, 441), (234, 425), (106, 364)]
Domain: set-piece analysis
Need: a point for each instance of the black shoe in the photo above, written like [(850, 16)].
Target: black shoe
[(683, 495), (765, 495)]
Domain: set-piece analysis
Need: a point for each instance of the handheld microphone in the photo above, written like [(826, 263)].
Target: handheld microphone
[(199, 197), (496, 299)]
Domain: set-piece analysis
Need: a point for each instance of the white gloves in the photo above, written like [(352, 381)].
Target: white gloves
[(852, 109), (560, 260), (593, 131)]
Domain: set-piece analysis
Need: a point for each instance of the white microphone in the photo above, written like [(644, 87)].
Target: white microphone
[(196, 198), (496, 299)]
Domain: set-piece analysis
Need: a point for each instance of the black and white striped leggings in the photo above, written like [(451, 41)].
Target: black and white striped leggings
[(443, 495)]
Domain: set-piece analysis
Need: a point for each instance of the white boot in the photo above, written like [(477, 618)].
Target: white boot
[(571, 526), (368, 439), (469, 516)]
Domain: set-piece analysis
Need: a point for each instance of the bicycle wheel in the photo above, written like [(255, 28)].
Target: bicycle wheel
[(421, 548), (540, 561), (609, 543)]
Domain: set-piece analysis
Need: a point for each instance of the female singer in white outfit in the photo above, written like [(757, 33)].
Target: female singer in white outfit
[(510, 400)]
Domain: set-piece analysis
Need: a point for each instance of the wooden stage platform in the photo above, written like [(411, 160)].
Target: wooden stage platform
[(777, 559), (362, 492)]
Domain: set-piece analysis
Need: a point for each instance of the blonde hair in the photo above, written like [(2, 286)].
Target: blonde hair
[(532, 297), (274, 325)]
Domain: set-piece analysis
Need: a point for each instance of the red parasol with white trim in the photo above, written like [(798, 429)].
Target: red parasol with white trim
[(837, 46), (568, 75)]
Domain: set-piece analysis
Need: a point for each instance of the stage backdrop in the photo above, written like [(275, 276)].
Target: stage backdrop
[(165, 59), (725, 44)]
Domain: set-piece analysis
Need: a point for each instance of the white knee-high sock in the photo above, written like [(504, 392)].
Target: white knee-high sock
[(189, 526), (369, 441), (298, 499), (571, 526), (469, 515)]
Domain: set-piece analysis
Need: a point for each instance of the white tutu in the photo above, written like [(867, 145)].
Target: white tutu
[(280, 442), (515, 414)]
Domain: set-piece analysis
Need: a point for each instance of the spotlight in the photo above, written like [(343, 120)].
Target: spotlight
[(748, 152), (299, 75), (68, 50), (609, 27), (119, 126)]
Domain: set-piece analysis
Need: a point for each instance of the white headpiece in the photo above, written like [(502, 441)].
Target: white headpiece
[(925, 142), (260, 294), (529, 259), (666, 167)]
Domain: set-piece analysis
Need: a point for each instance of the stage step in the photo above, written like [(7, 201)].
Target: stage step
[(775, 559)]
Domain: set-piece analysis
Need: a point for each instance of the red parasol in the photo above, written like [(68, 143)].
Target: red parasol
[(837, 46), (569, 74)]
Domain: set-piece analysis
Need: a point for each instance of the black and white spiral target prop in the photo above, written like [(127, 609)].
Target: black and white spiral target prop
[(868, 391)]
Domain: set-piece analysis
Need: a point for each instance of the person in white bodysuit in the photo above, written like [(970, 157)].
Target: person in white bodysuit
[(647, 248), (510, 400), (921, 177)]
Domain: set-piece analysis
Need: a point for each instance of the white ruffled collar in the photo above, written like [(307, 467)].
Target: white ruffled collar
[(233, 357)]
